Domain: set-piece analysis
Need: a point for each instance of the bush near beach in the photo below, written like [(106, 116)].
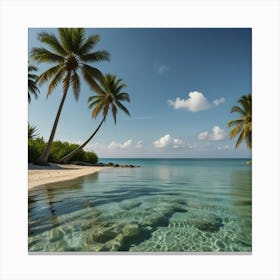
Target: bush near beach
[(58, 150)]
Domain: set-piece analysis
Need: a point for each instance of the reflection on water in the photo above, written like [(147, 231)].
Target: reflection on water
[(189, 207)]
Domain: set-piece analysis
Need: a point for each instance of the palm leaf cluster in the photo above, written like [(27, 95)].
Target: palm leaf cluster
[(32, 83), (109, 96), (242, 127), (70, 52), (32, 131)]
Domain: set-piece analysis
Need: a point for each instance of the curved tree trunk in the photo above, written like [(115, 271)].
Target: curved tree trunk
[(45, 155), (71, 154)]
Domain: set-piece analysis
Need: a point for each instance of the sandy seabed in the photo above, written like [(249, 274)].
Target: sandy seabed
[(40, 175)]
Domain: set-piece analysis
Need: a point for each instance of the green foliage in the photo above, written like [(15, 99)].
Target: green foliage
[(32, 82), (32, 131), (109, 95), (242, 127), (58, 150), (35, 148)]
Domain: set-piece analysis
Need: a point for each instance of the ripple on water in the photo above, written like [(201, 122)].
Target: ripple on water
[(144, 226)]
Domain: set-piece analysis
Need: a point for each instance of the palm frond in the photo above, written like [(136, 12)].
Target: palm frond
[(66, 82), (52, 41), (77, 36), (89, 44), (238, 109), (93, 72), (123, 96), (97, 109), (54, 82), (122, 107), (243, 125), (65, 38), (48, 74), (75, 82), (239, 140), (42, 55), (234, 122), (118, 87), (235, 131), (96, 56), (114, 113), (87, 74), (32, 131), (32, 83), (32, 68)]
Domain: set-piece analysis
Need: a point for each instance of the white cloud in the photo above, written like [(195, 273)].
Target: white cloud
[(217, 102), (169, 141), (125, 145), (217, 134), (162, 69), (196, 102), (139, 144)]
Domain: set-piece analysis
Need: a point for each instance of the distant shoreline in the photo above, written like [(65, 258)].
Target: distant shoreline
[(41, 175)]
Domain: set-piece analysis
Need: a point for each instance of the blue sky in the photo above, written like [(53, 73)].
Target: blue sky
[(182, 84)]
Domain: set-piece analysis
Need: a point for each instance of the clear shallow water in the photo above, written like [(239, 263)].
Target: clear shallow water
[(166, 205)]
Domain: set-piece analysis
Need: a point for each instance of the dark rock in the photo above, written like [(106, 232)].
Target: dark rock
[(56, 235), (211, 223), (157, 220), (131, 230), (82, 163), (116, 165)]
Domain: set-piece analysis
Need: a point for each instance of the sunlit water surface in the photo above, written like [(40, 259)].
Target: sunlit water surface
[(185, 205)]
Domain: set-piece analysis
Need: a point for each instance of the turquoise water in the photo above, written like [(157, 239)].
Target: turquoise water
[(166, 205)]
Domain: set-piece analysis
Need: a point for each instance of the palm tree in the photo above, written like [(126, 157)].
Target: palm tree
[(109, 97), (32, 83), (70, 52), (32, 131), (243, 125)]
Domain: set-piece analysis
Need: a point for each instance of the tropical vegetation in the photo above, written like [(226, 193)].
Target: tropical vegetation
[(37, 145), (71, 52), (32, 131), (242, 126), (32, 82), (109, 97)]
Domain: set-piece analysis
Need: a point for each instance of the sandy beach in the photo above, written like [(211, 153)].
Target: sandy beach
[(40, 175)]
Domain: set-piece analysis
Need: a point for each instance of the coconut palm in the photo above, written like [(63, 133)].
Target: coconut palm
[(32, 83), (243, 125), (70, 52), (109, 97)]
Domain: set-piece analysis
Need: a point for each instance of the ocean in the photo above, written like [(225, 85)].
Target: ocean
[(165, 205)]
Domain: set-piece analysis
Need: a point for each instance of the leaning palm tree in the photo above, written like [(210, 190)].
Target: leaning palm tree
[(109, 96), (32, 82), (243, 125), (70, 52)]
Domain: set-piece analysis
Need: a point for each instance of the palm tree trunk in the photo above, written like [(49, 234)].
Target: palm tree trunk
[(71, 154), (45, 155)]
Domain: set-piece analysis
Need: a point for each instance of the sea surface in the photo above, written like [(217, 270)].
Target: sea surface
[(166, 205)]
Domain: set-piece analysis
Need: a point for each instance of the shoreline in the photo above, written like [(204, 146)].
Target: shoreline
[(41, 175)]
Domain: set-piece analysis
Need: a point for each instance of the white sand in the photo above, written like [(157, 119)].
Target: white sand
[(40, 175)]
